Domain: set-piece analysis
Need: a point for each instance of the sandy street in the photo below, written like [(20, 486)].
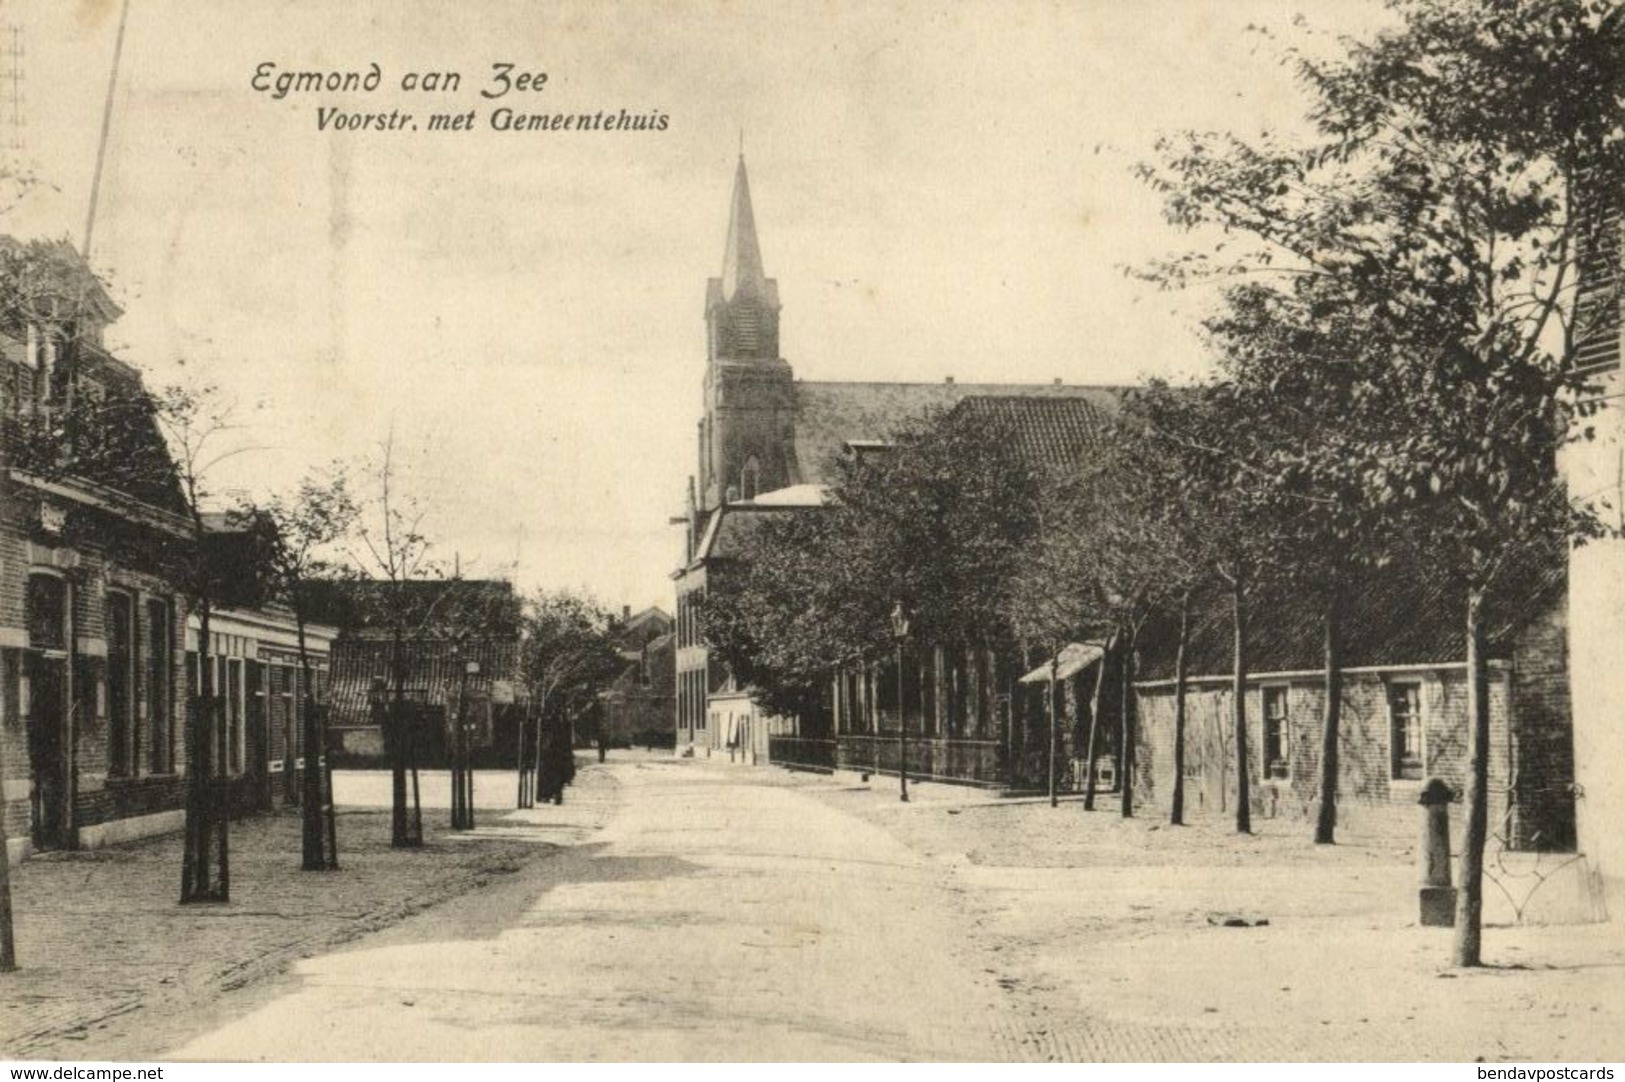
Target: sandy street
[(699, 910), (712, 918)]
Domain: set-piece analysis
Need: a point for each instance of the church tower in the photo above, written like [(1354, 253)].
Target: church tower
[(747, 436)]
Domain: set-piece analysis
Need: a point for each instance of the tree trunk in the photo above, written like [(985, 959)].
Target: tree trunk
[(205, 872), (314, 835), (1130, 736), (406, 827), (1176, 814), (1054, 726), (1332, 717), (8, 945), (1475, 833), (520, 800), (1238, 706), (1094, 726)]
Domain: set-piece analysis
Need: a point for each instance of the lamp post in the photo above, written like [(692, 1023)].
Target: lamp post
[(899, 630), (463, 803)]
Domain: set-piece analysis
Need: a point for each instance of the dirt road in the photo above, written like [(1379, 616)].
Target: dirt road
[(712, 918)]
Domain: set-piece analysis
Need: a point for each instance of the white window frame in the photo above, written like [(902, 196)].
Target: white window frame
[(1418, 686)]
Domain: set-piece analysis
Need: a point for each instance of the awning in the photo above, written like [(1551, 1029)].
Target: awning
[(1073, 659)]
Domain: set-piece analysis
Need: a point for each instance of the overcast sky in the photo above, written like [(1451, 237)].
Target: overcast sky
[(941, 190)]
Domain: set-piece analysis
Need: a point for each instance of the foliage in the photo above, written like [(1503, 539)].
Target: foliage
[(567, 649), (938, 522), (1419, 265)]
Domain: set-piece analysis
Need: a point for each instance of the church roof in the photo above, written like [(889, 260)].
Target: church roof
[(742, 273), (1048, 433), (831, 415)]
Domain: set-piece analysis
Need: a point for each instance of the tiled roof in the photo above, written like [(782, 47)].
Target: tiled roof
[(828, 415), (1398, 616), (433, 672), (1048, 432)]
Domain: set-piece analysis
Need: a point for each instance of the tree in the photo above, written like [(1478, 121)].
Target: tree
[(785, 608), (194, 420), (1224, 495), (566, 652), (1316, 372), (394, 547), (936, 522), (466, 616), (306, 525), (1446, 204), (1055, 594), (1150, 551)]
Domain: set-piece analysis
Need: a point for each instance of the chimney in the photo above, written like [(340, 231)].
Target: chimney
[(626, 614), (949, 380), (1057, 381)]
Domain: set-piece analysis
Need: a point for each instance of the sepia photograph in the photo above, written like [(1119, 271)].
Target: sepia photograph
[(861, 531)]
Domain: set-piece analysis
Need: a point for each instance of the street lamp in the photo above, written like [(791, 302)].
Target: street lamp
[(465, 776), (899, 631)]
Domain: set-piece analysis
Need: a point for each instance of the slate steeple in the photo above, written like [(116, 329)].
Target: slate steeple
[(742, 274), (747, 437), (742, 306)]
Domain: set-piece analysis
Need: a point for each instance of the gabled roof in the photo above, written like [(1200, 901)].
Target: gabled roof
[(831, 415), (434, 673), (1049, 433), (729, 525)]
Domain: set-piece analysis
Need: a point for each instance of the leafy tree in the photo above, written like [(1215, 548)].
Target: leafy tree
[(566, 653), (1445, 206), (1316, 373), (1224, 495), (937, 522), (1149, 553), (1055, 595), (758, 599)]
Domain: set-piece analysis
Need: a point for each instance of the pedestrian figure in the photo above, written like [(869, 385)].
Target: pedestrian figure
[(603, 745), (557, 766)]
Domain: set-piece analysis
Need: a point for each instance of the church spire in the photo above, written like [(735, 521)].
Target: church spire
[(742, 274)]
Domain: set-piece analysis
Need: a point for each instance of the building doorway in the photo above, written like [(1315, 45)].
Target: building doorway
[(47, 751), (46, 711)]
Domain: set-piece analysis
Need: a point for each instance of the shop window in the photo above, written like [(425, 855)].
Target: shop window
[(120, 685), (47, 612), (160, 694)]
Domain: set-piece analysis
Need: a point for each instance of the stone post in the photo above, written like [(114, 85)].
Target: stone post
[(1438, 897)]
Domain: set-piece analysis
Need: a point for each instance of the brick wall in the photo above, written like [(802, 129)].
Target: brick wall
[(1368, 794), (1542, 737), (95, 553)]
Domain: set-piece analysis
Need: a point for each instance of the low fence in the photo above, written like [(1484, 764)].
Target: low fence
[(966, 762), (802, 752)]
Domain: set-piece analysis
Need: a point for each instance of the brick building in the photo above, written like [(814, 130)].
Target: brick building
[(93, 534), (639, 706), (261, 697), (1404, 707)]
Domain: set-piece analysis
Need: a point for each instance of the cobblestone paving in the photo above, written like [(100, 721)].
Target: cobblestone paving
[(111, 966)]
